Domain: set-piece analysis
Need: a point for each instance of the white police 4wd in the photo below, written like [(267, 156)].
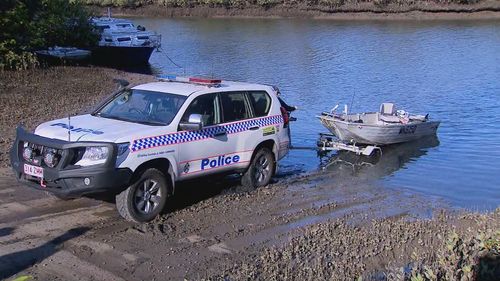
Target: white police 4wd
[(141, 141)]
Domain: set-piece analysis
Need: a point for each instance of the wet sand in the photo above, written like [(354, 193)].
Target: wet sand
[(486, 10), (291, 230), (303, 227)]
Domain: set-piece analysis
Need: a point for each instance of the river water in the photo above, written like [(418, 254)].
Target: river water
[(449, 69)]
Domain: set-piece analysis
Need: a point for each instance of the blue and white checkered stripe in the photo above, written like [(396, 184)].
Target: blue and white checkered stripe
[(187, 136)]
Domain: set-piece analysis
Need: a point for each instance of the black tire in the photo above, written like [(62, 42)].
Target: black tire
[(260, 171), (145, 198)]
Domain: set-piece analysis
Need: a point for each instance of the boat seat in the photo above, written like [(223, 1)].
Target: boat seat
[(388, 113), (387, 108)]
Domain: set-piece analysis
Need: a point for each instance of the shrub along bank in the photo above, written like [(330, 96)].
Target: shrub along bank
[(28, 25)]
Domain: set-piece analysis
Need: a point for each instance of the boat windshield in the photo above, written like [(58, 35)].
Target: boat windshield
[(144, 107)]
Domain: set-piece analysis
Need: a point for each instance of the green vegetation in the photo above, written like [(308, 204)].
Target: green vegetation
[(28, 25), (23, 278)]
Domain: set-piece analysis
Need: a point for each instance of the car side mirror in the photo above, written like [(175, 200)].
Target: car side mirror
[(194, 123)]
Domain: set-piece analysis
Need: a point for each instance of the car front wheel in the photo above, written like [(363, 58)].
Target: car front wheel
[(261, 169), (145, 198)]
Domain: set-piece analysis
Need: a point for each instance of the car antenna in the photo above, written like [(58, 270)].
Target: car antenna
[(69, 127), (122, 83)]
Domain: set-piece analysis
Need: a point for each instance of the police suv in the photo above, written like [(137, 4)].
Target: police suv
[(140, 141)]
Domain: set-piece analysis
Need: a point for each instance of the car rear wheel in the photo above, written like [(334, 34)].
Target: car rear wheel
[(145, 198), (260, 171)]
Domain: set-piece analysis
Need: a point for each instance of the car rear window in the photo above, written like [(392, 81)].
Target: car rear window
[(261, 103), (234, 106)]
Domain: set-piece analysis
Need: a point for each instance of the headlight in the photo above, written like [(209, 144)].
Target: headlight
[(51, 157), (94, 155), (27, 153)]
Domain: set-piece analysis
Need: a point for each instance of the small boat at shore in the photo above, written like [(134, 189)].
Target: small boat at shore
[(63, 54), (387, 126)]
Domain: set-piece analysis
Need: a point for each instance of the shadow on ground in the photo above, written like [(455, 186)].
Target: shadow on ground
[(188, 193), (13, 263), (191, 192), (489, 267), (6, 231)]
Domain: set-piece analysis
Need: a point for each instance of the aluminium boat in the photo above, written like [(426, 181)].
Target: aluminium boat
[(387, 126)]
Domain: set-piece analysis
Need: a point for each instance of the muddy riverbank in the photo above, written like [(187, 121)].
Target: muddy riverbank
[(291, 230), (343, 10), (33, 96), (303, 227)]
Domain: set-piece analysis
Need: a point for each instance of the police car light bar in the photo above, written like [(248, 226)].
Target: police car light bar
[(195, 80)]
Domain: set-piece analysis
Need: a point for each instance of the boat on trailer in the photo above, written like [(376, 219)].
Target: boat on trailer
[(363, 133)]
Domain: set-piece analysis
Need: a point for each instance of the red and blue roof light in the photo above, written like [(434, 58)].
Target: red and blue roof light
[(194, 80)]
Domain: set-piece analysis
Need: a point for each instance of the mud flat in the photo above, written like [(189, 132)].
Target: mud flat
[(300, 229), (305, 227), (336, 10), (35, 96)]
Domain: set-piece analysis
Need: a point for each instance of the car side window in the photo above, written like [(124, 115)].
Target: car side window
[(207, 106), (261, 103), (234, 106)]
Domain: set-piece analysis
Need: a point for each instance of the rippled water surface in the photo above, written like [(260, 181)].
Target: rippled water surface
[(448, 69)]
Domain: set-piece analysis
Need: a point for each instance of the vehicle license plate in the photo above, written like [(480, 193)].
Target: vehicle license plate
[(33, 171)]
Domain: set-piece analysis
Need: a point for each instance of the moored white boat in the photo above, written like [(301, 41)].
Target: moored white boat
[(122, 42), (388, 126)]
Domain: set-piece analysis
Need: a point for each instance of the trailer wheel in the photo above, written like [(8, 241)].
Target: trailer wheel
[(260, 171), (145, 198)]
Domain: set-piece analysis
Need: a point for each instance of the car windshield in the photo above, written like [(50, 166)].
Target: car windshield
[(144, 107)]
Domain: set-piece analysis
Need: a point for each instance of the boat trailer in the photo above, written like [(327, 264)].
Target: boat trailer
[(328, 142)]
